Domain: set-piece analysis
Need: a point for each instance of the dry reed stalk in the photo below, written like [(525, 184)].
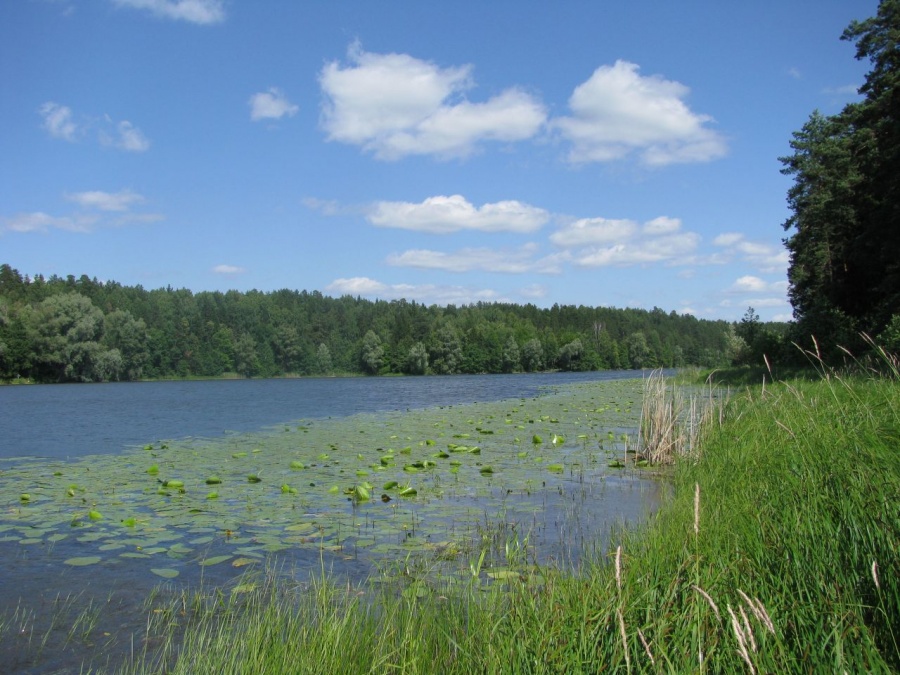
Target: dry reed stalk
[(739, 634), (624, 639), (670, 427), (708, 599), (646, 647), (763, 616), (875, 574), (747, 630), (619, 568), (759, 611)]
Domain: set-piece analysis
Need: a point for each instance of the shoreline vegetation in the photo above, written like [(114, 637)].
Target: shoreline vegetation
[(776, 552)]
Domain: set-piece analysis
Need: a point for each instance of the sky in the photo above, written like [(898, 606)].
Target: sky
[(603, 153)]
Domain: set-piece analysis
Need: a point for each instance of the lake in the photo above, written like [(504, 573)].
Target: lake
[(112, 490)]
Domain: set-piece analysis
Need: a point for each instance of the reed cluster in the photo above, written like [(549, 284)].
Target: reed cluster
[(673, 417), (777, 552)]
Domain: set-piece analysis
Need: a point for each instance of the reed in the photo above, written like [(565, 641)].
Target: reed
[(673, 418)]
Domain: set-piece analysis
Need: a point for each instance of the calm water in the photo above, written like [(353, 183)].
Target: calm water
[(72, 420)]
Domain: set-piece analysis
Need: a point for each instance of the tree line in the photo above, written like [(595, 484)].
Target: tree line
[(80, 329)]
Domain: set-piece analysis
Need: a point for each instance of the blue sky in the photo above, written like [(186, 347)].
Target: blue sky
[(604, 153)]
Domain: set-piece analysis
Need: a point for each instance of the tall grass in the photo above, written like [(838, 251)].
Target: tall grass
[(777, 552)]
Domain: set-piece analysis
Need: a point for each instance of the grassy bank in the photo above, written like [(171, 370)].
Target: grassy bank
[(777, 552)]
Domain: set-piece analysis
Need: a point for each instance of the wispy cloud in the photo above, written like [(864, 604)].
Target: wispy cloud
[(425, 293), (843, 90), (58, 121), (98, 209), (442, 214), (765, 257), (395, 105), (228, 270), (506, 261), (271, 104), (754, 284), (106, 201), (130, 138), (39, 221), (602, 242), (618, 112), (192, 11)]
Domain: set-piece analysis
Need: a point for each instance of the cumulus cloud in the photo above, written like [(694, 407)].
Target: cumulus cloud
[(271, 104), (594, 231), (228, 270), (58, 121), (441, 215), (603, 242), (192, 11), (514, 261), (425, 293), (395, 105), (618, 112)]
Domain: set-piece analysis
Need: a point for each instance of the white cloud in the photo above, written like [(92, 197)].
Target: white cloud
[(662, 225), (672, 249), (517, 261), (602, 242), (534, 292), (441, 215), (395, 105), (228, 270), (100, 209), (765, 257), (728, 239), (593, 231), (193, 11), (271, 105), (425, 293), (753, 284), (39, 221), (106, 201), (618, 112), (131, 138), (58, 121)]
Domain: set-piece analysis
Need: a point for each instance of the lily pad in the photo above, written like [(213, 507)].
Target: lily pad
[(215, 560), (165, 572), (83, 561)]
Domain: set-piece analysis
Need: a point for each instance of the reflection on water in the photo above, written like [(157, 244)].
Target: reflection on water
[(533, 473)]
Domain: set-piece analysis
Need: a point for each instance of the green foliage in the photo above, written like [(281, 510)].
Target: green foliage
[(416, 360), (80, 329), (372, 357), (844, 239)]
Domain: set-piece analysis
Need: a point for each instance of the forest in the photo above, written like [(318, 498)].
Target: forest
[(84, 330)]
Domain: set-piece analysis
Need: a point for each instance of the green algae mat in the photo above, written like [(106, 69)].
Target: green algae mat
[(383, 485)]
